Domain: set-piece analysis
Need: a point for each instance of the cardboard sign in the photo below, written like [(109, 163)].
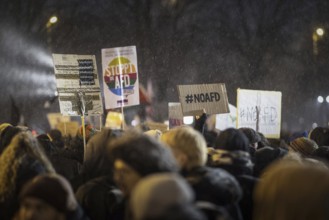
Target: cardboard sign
[(227, 120), (114, 120), (68, 128), (175, 114), (120, 76), (56, 118), (77, 84), (195, 98), (260, 110)]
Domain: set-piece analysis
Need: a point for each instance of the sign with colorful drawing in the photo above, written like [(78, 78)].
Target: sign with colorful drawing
[(120, 77)]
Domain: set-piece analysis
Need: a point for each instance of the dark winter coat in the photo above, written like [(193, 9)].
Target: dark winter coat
[(238, 163), (216, 186), (99, 198)]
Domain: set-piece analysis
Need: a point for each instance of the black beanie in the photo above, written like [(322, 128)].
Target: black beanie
[(144, 154), (52, 189)]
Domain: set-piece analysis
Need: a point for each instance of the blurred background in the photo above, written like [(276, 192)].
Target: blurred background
[(250, 44)]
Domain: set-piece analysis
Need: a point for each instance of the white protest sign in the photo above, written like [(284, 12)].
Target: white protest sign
[(261, 106), (77, 74), (175, 114), (120, 75), (195, 98), (227, 120)]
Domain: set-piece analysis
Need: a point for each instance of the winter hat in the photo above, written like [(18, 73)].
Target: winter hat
[(154, 194), (231, 140), (251, 134), (53, 189), (320, 135), (265, 156), (214, 185), (145, 154), (304, 146)]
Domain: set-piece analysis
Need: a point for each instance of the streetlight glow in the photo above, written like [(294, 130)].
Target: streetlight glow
[(327, 99), (320, 31), (320, 99), (53, 19)]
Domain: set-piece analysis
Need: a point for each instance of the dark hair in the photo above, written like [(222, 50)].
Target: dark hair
[(145, 154), (320, 135), (232, 139), (251, 134)]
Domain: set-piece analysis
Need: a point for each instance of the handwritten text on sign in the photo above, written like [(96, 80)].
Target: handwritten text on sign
[(260, 110), (211, 97)]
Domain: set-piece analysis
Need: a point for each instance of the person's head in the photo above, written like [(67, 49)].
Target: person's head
[(232, 139), (89, 131), (292, 191), (23, 150), (136, 156), (155, 194), (252, 136), (47, 197), (320, 135), (188, 147), (265, 156), (303, 146)]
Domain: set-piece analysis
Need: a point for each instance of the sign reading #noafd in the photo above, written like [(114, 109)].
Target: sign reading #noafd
[(264, 105), (211, 97)]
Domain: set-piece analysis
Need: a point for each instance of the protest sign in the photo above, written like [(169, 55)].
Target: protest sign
[(114, 120), (120, 75), (77, 84), (195, 98), (227, 120), (56, 118), (68, 128), (260, 110), (175, 114)]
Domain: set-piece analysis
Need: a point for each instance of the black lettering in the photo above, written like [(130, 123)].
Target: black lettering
[(207, 98), (201, 97), (273, 114), (217, 96), (196, 97)]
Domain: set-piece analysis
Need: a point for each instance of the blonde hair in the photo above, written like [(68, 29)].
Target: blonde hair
[(292, 191), (12, 157), (189, 142)]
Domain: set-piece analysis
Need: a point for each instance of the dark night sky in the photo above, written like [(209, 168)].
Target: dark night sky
[(258, 44)]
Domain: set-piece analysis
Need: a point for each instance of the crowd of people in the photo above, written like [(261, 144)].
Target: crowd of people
[(185, 173)]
